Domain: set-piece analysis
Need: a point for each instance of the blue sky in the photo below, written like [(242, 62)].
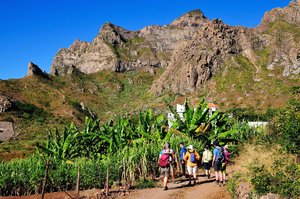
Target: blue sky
[(34, 30)]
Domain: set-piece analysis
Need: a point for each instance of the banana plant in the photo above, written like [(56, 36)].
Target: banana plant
[(61, 146), (195, 121)]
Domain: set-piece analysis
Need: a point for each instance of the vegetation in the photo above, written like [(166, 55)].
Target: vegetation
[(48, 104), (130, 144), (270, 163)]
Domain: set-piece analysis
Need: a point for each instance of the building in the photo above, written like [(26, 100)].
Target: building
[(171, 117)]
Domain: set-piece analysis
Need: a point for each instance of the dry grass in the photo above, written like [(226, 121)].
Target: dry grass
[(262, 156)]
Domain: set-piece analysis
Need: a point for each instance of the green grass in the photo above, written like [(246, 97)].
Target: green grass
[(281, 27)]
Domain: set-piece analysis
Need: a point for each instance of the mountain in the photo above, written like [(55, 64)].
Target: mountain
[(120, 50), (122, 72)]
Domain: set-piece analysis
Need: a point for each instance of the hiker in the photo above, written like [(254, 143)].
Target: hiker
[(166, 157), (206, 160), (182, 154), (226, 162), (192, 157), (217, 163)]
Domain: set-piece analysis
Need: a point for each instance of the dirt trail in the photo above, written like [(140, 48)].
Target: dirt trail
[(206, 189)]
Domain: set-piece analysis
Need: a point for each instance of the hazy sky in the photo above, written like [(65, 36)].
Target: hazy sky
[(34, 30)]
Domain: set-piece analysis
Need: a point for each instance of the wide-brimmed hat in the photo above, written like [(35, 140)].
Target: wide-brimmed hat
[(226, 146), (191, 147)]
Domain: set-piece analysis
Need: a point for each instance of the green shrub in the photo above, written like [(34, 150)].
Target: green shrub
[(285, 127), (143, 184)]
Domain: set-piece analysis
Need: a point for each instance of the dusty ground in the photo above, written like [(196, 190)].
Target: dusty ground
[(204, 189)]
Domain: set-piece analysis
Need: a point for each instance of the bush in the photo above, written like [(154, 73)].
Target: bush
[(285, 127), (268, 169), (143, 184)]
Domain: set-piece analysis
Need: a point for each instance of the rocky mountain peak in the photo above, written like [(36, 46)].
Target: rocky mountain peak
[(114, 34), (194, 18), (34, 70), (289, 14)]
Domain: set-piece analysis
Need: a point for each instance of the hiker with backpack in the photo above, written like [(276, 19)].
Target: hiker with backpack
[(182, 154), (218, 159), (166, 157), (206, 160), (226, 162), (191, 158)]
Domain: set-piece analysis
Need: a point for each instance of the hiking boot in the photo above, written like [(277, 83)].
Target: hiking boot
[(195, 182), (217, 182), (208, 176), (224, 183), (220, 184), (189, 184), (165, 188)]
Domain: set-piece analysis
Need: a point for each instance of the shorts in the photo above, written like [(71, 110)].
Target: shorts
[(207, 165), (192, 170), (223, 167), (164, 172), (218, 166)]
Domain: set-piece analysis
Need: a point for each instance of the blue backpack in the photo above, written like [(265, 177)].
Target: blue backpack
[(221, 157), (193, 158)]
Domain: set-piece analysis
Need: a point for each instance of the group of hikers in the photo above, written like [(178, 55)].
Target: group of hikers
[(189, 160)]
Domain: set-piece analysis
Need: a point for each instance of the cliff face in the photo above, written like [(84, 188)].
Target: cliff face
[(122, 50), (274, 44), (192, 49)]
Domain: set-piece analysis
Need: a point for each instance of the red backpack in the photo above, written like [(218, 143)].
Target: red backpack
[(164, 160)]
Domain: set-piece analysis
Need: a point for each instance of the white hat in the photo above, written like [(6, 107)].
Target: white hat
[(226, 146), (191, 147)]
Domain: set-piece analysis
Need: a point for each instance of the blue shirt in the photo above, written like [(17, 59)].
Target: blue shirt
[(182, 151), (217, 152)]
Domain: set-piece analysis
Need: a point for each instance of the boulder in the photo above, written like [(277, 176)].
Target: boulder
[(6, 103)]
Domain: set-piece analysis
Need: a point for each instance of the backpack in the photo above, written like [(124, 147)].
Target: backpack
[(221, 156), (164, 160), (227, 156), (208, 156), (193, 158)]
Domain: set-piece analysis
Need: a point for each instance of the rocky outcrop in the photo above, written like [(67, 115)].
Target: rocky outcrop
[(34, 70), (6, 103), (290, 14), (118, 49), (192, 49), (196, 61)]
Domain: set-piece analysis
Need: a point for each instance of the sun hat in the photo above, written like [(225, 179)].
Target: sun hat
[(226, 146), (190, 147)]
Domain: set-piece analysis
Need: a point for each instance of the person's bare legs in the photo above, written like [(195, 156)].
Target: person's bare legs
[(165, 182), (217, 175), (221, 177), (195, 175)]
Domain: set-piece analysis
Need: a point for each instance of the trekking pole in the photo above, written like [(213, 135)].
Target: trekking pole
[(172, 172), (179, 169)]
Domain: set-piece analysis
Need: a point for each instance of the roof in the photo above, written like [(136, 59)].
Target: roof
[(212, 105)]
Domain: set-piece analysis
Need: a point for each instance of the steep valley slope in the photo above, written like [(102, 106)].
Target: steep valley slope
[(121, 72)]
